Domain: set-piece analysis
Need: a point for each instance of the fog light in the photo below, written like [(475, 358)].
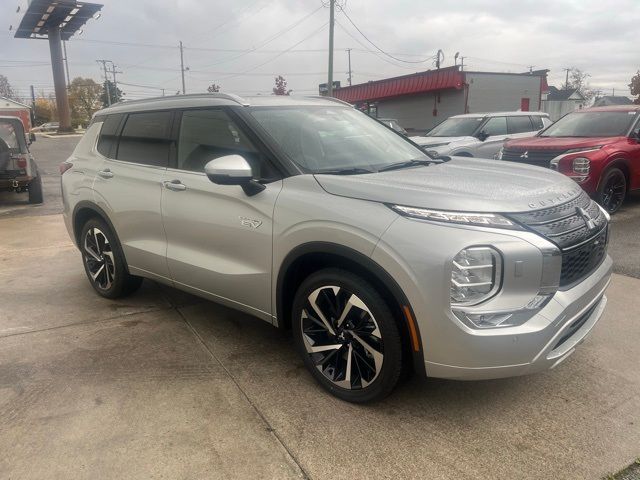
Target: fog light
[(475, 275), (581, 165)]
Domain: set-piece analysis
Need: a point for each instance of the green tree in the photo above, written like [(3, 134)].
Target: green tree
[(84, 99), (213, 88), (5, 88), (634, 86), (281, 86), (115, 93)]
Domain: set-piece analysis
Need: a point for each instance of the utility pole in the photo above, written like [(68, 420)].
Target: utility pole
[(566, 82), (115, 81), (33, 107), (66, 63), (349, 53), (332, 14), (184, 90), (106, 79), (461, 64)]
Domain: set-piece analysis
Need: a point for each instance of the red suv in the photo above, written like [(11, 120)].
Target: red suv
[(599, 148)]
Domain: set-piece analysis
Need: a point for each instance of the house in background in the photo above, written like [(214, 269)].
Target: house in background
[(609, 100), (422, 100), (560, 102), (11, 108)]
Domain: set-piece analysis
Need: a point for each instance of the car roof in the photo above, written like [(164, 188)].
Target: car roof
[(219, 99), (613, 108), (500, 114), (12, 120)]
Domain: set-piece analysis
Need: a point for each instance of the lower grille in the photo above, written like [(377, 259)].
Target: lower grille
[(577, 325), (539, 158)]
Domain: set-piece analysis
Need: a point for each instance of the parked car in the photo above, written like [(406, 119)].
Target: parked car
[(393, 123), (313, 216), (47, 127), (599, 148), (18, 169), (480, 134)]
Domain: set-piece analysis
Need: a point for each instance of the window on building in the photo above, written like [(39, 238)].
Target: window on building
[(520, 124), (209, 134), (146, 139), (108, 134), (495, 126)]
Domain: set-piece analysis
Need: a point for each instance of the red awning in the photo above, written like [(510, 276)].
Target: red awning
[(422, 82)]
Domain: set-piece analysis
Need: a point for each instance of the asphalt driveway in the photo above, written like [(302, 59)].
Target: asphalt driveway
[(165, 385)]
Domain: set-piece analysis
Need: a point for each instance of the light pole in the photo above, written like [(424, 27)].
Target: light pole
[(332, 13)]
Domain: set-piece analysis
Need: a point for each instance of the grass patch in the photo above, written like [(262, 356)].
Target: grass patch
[(632, 472)]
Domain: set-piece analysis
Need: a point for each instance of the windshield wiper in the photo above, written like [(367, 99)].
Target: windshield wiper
[(408, 163), (345, 171)]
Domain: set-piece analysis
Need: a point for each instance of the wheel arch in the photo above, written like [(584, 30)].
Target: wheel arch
[(620, 163), (83, 212), (310, 257)]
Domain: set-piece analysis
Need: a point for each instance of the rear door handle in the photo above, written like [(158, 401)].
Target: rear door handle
[(106, 173), (175, 185)]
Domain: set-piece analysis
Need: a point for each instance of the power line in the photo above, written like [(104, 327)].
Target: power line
[(377, 47)]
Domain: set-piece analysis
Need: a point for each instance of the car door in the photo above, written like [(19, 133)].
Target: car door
[(495, 129), (128, 186), (219, 239)]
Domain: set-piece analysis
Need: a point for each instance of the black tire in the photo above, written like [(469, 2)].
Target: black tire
[(35, 190), (612, 190), (104, 262), (374, 369)]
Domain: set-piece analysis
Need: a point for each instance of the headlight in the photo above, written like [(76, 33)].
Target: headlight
[(581, 165), (498, 156), (475, 275), (465, 218)]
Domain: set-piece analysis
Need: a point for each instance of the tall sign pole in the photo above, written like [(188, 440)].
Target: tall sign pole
[(57, 64), (332, 6)]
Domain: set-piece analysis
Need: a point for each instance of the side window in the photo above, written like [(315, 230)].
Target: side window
[(146, 139), (495, 126), (209, 134), (520, 124), (108, 134), (537, 122)]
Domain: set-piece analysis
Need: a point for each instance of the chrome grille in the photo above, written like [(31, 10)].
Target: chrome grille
[(583, 243), (539, 158)]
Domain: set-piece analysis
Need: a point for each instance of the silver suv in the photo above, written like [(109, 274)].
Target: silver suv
[(312, 216)]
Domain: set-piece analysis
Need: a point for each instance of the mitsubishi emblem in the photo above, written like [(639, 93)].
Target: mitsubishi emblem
[(591, 225), (525, 155)]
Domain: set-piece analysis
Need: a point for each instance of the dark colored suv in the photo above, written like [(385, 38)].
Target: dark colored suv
[(599, 148)]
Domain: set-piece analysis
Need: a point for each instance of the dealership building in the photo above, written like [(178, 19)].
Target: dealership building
[(422, 100)]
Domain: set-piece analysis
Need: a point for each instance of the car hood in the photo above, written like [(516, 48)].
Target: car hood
[(428, 141), (463, 184), (559, 143)]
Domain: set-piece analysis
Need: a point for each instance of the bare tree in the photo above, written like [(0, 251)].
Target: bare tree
[(281, 86), (5, 88), (213, 88), (578, 80), (634, 86)]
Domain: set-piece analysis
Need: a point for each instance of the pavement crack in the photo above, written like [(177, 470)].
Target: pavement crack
[(270, 427)]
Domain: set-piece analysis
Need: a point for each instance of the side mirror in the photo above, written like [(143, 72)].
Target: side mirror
[(233, 170), (32, 137), (482, 136)]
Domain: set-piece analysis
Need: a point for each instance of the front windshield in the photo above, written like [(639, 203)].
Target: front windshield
[(591, 124), (456, 127), (332, 138), (8, 134)]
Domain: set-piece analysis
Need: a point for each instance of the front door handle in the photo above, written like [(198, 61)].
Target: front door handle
[(175, 185), (106, 173)]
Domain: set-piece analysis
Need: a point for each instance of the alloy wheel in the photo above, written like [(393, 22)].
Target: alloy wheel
[(342, 337), (98, 257), (613, 192)]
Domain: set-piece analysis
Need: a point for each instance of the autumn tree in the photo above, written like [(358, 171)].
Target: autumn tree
[(5, 88), (281, 86), (84, 99), (45, 110), (213, 88), (634, 86)]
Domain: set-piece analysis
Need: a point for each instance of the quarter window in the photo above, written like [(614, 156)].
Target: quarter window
[(108, 134), (495, 126), (146, 139), (520, 124), (209, 134), (537, 122)]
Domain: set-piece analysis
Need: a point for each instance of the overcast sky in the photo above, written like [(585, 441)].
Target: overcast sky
[(242, 44)]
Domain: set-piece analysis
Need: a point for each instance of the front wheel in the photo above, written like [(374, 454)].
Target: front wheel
[(104, 262), (347, 336), (612, 190)]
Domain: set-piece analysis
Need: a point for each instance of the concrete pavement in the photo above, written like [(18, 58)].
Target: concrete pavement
[(164, 385)]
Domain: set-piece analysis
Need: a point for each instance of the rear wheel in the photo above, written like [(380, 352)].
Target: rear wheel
[(347, 336), (35, 190), (612, 190), (104, 262)]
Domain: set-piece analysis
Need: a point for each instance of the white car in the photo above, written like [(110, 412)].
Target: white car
[(481, 134)]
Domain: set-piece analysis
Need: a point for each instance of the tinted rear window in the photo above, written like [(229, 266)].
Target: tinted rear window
[(108, 135), (146, 139), (519, 124), (537, 122)]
